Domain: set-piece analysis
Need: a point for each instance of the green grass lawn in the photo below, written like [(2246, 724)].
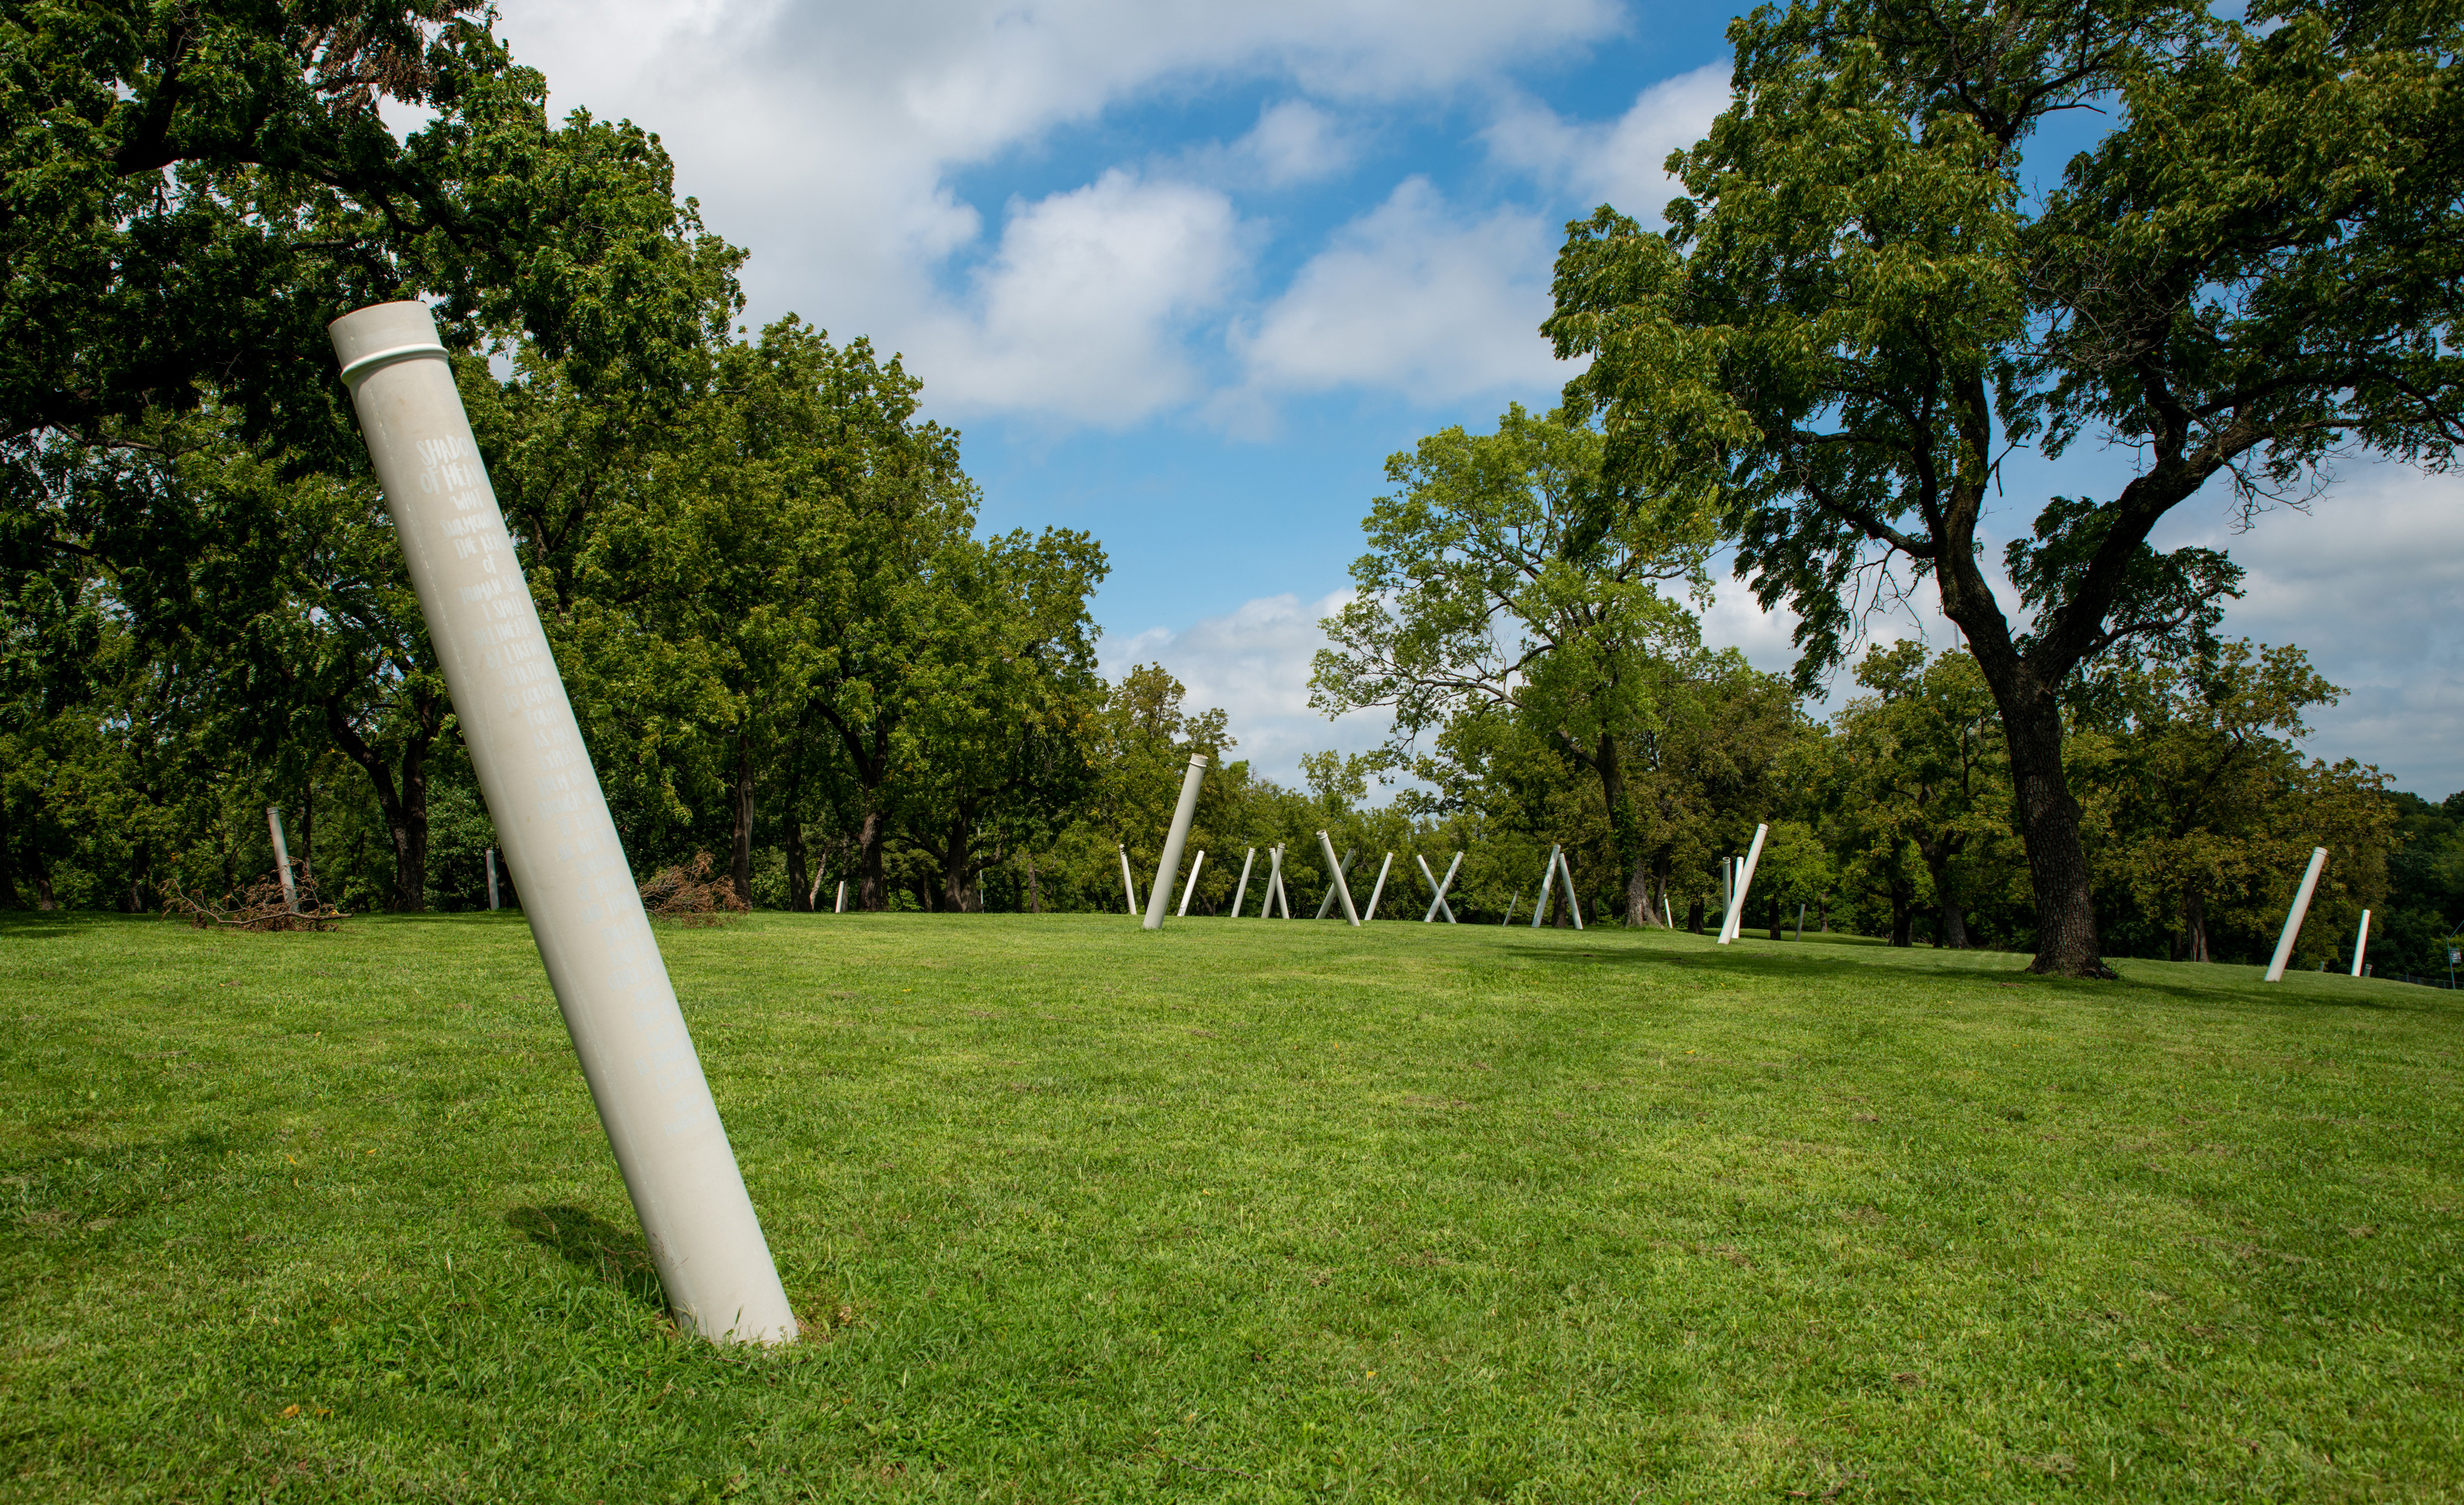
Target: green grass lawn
[(1239, 1210)]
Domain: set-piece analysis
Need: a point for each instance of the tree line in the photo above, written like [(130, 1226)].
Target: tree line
[(788, 639)]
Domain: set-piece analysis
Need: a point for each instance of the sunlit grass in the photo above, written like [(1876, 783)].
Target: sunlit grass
[(1249, 1211)]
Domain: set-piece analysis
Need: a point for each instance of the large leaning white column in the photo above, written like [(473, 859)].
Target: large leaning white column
[(1326, 905), (282, 859), (560, 842), (1241, 895), (1573, 900), (1342, 889), (2361, 942), (1548, 879), (2292, 916), (1177, 837), (1379, 891), (1734, 925)]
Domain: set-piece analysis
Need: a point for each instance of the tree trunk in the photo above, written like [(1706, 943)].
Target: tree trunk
[(1777, 926), (958, 895), (1034, 896), (1904, 911), (873, 892), (1638, 909), (2194, 916), (800, 896), (141, 869), (307, 857), (1694, 917), (41, 874), (740, 857), (403, 807), (1822, 911)]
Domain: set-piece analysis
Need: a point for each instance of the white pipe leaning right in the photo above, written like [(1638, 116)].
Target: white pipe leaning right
[(561, 844), (1191, 886), (1342, 889), (2361, 942), (2292, 916), (1241, 894)]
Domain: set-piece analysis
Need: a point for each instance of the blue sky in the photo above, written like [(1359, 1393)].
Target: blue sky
[(1186, 274)]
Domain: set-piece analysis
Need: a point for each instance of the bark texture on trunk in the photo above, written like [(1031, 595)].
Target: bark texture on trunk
[(1639, 907), (2194, 924), (874, 891), (799, 892), (1034, 897), (401, 803), (1694, 917), (739, 851)]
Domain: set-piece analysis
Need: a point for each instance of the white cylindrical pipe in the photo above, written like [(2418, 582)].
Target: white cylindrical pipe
[(2361, 942), (1197, 865), (493, 905), (1573, 900), (1548, 881), (1241, 895), (1378, 891), (1438, 887), (1734, 926), (1342, 890), (1174, 839), (2292, 916), (561, 845), (1326, 905), (841, 906), (282, 859), (1274, 885), (1128, 885)]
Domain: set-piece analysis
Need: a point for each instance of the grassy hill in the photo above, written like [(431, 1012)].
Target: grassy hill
[(1242, 1211)]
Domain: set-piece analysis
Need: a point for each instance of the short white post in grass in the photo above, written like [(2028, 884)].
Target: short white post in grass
[(2361, 942), (491, 879), (1667, 915), (1574, 904), (1438, 886), (1800, 919), (2292, 916), (842, 909), (1128, 886), (1735, 924), (1342, 890), (1547, 878), (1191, 886), (1169, 863), (561, 844), (1512, 900), (1241, 894), (282, 859), (1378, 891)]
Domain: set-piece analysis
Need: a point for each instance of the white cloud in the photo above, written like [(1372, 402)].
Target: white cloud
[(1621, 162), (1293, 141), (1254, 662), (824, 137), (1413, 298), (1080, 314), (2367, 582)]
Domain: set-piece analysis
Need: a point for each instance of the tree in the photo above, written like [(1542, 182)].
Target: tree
[(1859, 306), (1919, 764), (1496, 586)]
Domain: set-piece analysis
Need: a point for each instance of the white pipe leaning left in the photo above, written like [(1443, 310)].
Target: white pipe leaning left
[(559, 843)]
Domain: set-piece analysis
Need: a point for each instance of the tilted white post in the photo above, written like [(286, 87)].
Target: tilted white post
[(842, 909), (1326, 905), (1241, 894), (1379, 891), (1574, 903), (1341, 889), (2361, 942), (1667, 915), (2292, 916), (1274, 885), (561, 844), (1129, 888), (1174, 840), (1509, 908), (1191, 886), (1438, 886), (1282, 895), (1800, 919), (1547, 878), (282, 859), (491, 879), (1734, 925)]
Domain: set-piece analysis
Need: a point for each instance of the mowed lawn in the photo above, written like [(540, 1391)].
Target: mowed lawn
[(1240, 1210)]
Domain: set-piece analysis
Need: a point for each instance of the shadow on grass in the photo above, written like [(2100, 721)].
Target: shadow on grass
[(2232, 984), (594, 1246)]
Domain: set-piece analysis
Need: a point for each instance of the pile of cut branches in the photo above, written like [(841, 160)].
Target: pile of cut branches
[(261, 909), (688, 895)]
